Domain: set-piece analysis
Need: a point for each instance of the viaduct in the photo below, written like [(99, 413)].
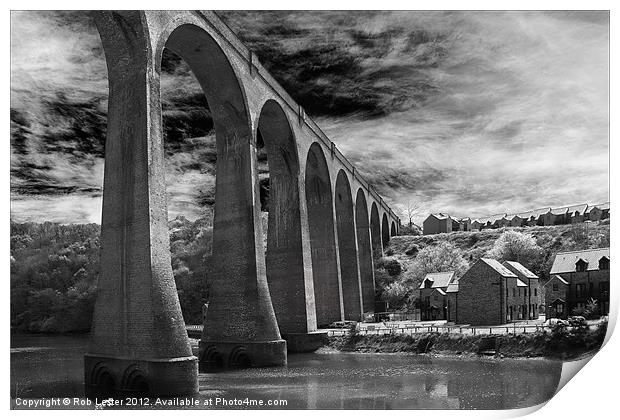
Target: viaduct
[(325, 221)]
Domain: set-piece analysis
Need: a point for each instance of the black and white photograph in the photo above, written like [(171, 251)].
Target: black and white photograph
[(307, 209)]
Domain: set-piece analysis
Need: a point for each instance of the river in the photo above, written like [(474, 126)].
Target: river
[(52, 366)]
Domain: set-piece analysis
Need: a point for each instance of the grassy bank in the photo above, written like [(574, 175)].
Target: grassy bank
[(557, 344)]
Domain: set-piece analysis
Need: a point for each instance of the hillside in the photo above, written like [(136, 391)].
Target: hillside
[(402, 269), (475, 244)]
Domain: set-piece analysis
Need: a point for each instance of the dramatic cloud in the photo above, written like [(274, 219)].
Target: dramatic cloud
[(470, 113)]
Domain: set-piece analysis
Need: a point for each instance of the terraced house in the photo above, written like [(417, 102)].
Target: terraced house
[(487, 294), (576, 278), (532, 293)]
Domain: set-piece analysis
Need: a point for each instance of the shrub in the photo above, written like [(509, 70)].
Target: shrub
[(413, 250), (432, 259), (519, 247), (393, 267)]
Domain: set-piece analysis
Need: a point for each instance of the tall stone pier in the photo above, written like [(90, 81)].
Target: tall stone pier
[(138, 338), (325, 220)]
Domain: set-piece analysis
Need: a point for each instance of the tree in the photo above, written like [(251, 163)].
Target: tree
[(519, 247), (438, 258), (412, 209)]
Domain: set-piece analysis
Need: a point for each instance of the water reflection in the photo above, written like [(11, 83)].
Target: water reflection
[(52, 367)]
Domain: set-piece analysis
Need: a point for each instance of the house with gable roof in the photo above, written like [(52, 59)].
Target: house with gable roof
[(556, 216), (437, 223), (556, 296), (577, 277), (434, 296), (485, 294), (577, 213), (598, 212), (532, 293)]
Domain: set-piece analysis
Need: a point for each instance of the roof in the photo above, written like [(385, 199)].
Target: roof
[(439, 216), (440, 291), (518, 268), (581, 208), (494, 264), (602, 206), (556, 277), (564, 262), (442, 279), (537, 213), (453, 287), (560, 210), (520, 283)]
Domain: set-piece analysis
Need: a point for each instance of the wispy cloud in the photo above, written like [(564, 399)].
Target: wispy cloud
[(469, 113)]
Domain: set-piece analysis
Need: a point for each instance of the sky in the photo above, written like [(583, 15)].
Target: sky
[(466, 113)]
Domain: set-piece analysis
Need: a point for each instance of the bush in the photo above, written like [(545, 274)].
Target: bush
[(393, 267), (519, 247), (413, 250), (433, 259)]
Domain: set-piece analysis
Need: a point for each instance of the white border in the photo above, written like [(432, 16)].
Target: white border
[(591, 394)]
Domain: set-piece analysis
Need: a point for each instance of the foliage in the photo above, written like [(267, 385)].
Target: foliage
[(589, 311), (54, 271), (413, 250), (517, 246), (438, 258)]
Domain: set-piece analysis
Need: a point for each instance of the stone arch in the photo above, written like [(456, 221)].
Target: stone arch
[(237, 208), (284, 257), (393, 229), (239, 358), (134, 380), (364, 252), (375, 231), (385, 231), (320, 209), (102, 380), (211, 358), (347, 247)]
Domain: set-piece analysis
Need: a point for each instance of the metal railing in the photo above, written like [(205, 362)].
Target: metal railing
[(420, 329), (255, 66)]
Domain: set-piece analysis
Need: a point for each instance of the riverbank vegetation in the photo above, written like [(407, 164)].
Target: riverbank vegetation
[(562, 342)]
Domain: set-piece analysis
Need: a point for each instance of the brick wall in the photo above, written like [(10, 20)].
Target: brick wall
[(551, 296), (479, 297), (591, 283)]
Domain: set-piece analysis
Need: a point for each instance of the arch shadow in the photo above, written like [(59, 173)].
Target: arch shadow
[(347, 247), (320, 209)]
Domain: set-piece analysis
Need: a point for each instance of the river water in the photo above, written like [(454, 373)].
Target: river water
[(44, 366)]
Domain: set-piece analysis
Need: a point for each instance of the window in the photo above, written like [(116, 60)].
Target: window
[(555, 287), (603, 263), (580, 291), (604, 289), (514, 292), (536, 291), (519, 292), (435, 297), (581, 265), (524, 292)]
